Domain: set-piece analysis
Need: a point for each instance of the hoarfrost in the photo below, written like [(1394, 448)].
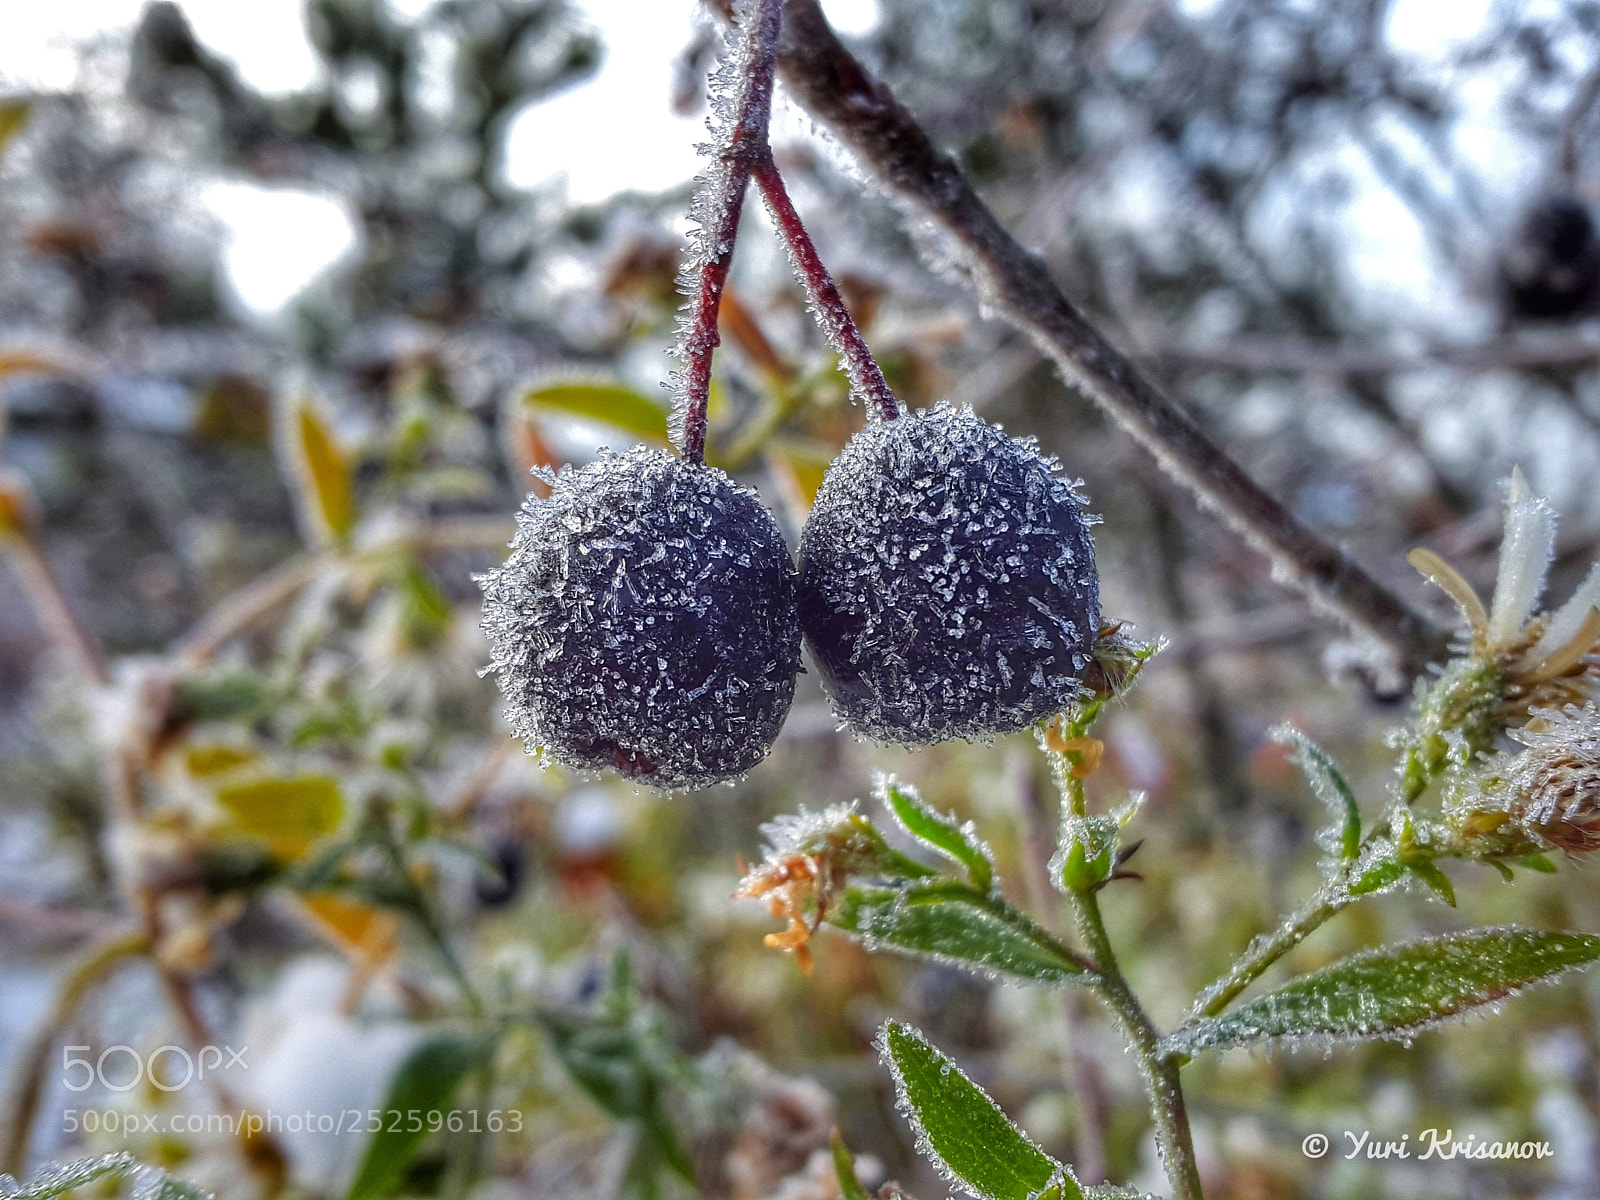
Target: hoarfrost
[(948, 587), (645, 621), (1525, 553)]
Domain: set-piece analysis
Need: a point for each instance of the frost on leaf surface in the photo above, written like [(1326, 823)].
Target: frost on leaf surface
[(948, 587), (953, 923), (645, 621), (960, 1130), (1397, 991), (60, 1179)]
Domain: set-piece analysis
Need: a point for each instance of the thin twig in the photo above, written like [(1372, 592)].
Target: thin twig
[(81, 977), (861, 111), (717, 208), (866, 377), (1584, 98), (50, 603), (1264, 356)]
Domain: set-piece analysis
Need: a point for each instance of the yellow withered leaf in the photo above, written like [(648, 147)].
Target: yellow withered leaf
[(363, 931), (217, 758), (288, 813), (321, 470), (13, 118)]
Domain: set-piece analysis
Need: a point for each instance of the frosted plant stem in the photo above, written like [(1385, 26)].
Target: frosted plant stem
[(718, 207), (866, 377), (1159, 1071), (1268, 949)]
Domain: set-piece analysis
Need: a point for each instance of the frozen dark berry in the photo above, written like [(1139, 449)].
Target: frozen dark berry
[(645, 621), (947, 581)]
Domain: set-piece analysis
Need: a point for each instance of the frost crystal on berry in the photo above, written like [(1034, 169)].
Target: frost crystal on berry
[(645, 621), (947, 581)]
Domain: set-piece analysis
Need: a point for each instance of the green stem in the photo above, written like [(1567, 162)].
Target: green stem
[(422, 910), (1159, 1071), (1330, 900)]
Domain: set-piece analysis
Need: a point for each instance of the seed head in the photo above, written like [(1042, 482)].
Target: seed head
[(1554, 785), (645, 621), (947, 581)]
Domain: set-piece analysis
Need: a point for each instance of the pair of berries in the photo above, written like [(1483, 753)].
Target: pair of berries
[(649, 618)]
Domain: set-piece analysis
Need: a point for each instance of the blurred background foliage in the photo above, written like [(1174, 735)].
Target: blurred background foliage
[(1353, 236)]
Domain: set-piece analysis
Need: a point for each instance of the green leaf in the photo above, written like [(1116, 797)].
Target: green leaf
[(608, 403), (844, 1168), (424, 1084), (1396, 991), (961, 1130), (1328, 784), (1377, 867), (1438, 882), (57, 1179), (958, 843), (947, 920)]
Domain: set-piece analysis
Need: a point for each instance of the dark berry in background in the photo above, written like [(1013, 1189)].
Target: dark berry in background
[(947, 581), (1552, 268), (645, 622)]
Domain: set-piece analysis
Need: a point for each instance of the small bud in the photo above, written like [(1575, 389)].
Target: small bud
[(1088, 846)]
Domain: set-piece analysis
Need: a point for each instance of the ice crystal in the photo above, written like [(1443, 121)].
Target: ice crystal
[(1548, 793), (645, 621), (947, 584)]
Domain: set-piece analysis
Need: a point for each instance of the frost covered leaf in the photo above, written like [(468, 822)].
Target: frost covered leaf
[(608, 403), (959, 843), (1437, 881), (1378, 867), (151, 1183), (956, 924), (424, 1083), (1083, 860), (59, 1178), (1328, 784), (961, 1130), (1396, 991), (318, 465)]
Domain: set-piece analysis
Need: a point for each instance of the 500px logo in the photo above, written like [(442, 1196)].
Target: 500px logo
[(129, 1068)]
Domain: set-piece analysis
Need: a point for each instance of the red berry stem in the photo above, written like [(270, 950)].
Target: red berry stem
[(717, 208), (866, 377), (745, 152)]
